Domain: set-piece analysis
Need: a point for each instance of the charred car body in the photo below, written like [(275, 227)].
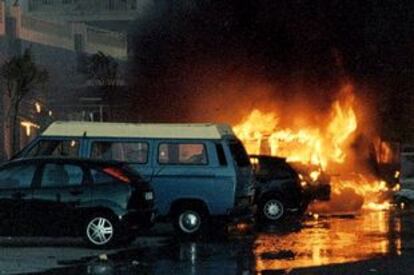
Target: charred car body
[(278, 189), (283, 189), (315, 182)]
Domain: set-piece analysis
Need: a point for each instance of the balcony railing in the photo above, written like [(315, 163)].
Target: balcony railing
[(90, 6), (104, 37), (49, 28)]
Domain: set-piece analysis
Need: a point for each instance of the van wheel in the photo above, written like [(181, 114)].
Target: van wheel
[(189, 221), (101, 231), (272, 209)]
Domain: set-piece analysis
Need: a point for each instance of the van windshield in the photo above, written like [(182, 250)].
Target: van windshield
[(239, 153)]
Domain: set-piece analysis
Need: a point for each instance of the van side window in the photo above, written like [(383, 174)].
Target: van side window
[(220, 154), (182, 153), (133, 152), (67, 147)]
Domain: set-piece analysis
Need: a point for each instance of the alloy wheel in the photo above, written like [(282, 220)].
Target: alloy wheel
[(99, 231)]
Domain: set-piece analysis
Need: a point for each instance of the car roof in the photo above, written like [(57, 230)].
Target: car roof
[(139, 130)]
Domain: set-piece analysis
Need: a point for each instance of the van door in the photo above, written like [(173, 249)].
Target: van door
[(186, 169), (137, 153)]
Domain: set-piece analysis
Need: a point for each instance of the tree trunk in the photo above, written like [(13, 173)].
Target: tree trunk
[(5, 138), (15, 128)]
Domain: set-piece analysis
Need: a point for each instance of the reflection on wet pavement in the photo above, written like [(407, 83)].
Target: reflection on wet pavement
[(336, 239), (316, 241)]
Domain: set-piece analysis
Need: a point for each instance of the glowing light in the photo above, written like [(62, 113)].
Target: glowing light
[(315, 175), (38, 107), (377, 206), (397, 174), (28, 126)]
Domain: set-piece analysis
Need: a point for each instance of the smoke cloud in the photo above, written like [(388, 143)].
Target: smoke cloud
[(216, 60)]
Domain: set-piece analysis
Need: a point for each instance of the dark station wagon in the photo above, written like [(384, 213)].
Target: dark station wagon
[(104, 202)]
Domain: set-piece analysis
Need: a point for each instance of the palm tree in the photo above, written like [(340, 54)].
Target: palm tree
[(20, 75)]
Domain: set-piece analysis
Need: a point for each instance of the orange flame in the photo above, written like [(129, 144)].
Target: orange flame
[(321, 145), (307, 145)]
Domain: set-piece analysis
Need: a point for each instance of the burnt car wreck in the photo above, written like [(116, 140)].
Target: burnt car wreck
[(284, 189)]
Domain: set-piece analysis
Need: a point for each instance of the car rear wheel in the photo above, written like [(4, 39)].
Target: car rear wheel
[(272, 209), (101, 231), (189, 222)]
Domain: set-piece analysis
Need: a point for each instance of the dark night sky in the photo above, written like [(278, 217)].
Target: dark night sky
[(185, 52)]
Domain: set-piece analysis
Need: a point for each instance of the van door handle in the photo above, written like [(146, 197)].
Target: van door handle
[(76, 192)]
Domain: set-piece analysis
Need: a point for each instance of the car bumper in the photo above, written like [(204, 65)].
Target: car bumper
[(318, 192), (244, 213), (138, 219)]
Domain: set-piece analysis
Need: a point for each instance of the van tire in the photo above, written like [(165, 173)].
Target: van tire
[(190, 220)]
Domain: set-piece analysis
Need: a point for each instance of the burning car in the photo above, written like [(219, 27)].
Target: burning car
[(314, 181), (318, 144), (284, 187), (278, 189)]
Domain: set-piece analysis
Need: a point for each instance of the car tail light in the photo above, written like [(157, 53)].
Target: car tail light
[(117, 173)]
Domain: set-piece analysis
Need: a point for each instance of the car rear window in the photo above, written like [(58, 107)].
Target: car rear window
[(273, 168), (100, 177), (56, 174)]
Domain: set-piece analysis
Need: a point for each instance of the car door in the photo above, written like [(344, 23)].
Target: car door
[(15, 198), (58, 198)]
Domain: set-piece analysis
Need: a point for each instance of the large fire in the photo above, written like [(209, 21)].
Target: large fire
[(326, 146)]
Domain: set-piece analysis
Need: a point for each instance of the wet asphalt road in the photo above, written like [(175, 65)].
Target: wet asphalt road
[(379, 242)]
